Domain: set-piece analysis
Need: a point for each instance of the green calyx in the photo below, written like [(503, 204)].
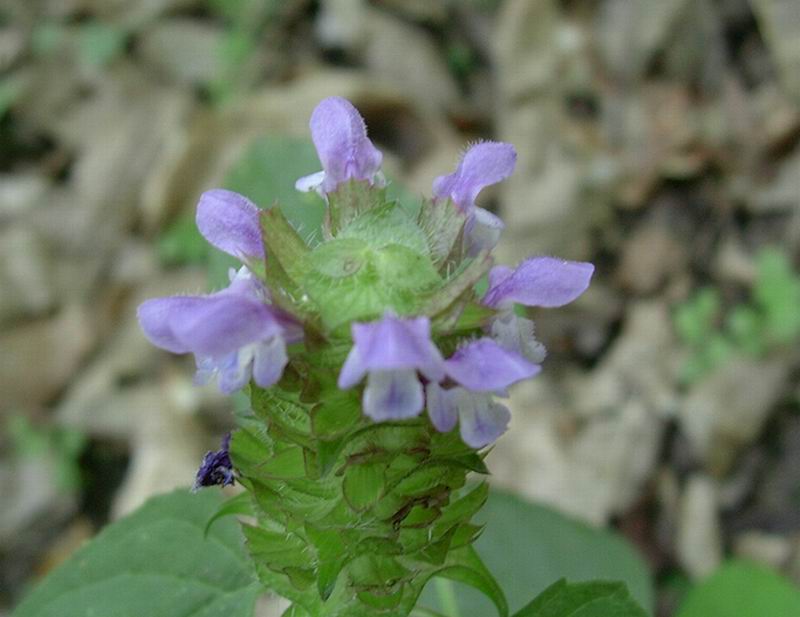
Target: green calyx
[(375, 256)]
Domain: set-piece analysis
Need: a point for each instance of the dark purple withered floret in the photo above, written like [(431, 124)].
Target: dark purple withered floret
[(216, 468)]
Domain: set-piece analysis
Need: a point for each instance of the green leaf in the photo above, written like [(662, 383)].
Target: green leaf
[(742, 589), (591, 599), (470, 569), (528, 547), (155, 562)]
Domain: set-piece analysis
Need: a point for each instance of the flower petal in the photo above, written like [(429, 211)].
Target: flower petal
[(340, 137), (393, 343), (485, 366), (269, 361), (481, 420), (482, 165), (222, 323), (393, 395), (442, 408), (517, 334), (541, 281), (229, 221), (484, 230), (310, 182), (235, 370), (353, 370), (157, 316)]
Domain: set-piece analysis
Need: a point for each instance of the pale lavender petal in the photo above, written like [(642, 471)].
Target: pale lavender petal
[(482, 165), (269, 361), (484, 230), (442, 408), (517, 334), (229, 221), (310, 182), (393, 395), (498, 274), (541, 281), (222, 323), (481, 420), (158, 316), (394, 343), (353, 370), (485, 366), (340, 136), (235, 370)]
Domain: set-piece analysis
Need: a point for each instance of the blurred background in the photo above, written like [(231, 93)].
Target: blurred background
[(659, 139)]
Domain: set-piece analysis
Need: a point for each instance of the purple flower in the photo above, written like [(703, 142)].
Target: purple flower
[(234, 334), (229, 221), (390, 352), (480, 368), (538, 281), (345, 151), (482, 165), (216, 467)]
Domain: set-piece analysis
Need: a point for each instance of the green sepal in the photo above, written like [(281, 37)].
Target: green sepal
[(442, 222), (332, 555), (238, 504), (347, 202), (458, 284), (286, 261)]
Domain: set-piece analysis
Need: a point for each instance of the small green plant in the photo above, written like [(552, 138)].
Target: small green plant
[(768, 320), (61, 447)]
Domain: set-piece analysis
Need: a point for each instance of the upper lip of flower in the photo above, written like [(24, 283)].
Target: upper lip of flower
[(346, 153)]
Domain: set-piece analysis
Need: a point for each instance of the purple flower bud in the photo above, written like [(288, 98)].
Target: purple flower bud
[(538, 281), (229, 221), (345, 151), (216, 468), (233, 333), (482, 165), (390, 352)]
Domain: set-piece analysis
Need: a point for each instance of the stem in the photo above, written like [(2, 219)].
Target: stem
[(447, 597)]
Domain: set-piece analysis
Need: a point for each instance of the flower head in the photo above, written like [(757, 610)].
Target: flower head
[(390, 352), (234, 334), (216, 467), (480, 369), (482, 165), (345, 151)]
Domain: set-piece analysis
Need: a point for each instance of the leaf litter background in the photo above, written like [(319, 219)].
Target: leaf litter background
[(659, 139)]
